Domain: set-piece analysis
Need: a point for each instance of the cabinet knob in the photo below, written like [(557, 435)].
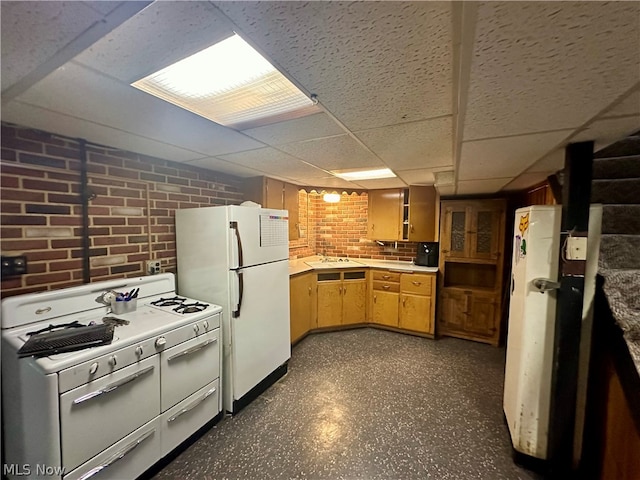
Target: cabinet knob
[(445, 251), (386, 287), (404, 300), (417, 284), (386, 277), (309, 290), (344, 290), (375, 299), (411, 228)]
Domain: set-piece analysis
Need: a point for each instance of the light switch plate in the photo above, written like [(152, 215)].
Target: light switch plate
[(576, 248)]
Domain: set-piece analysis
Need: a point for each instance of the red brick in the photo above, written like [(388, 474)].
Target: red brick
[(109, 221), (22, 196), (121, 172), (124, 249), (23, 220), (7, 181), (66, 265), (67, 243), (100, 241), (45, 185), (47, 255), (48, 278), (66, 220)]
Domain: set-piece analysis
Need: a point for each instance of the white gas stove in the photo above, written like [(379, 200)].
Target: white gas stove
[(84, 412)]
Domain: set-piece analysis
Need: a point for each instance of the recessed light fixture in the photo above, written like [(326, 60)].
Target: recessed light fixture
[(353, 175), (229, 83)]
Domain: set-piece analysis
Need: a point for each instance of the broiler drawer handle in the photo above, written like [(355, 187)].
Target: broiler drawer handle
[(193, 405), (118, 456), (113, 386), (191, 350)]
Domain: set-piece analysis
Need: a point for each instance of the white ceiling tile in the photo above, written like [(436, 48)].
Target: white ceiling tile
[(158, 36), (333, 153), (370, 63), (444, 190), (70, 126), (525, 180), (540, 66), (111, 103), (629, 106), (416, 177), (328, 182), (40, 29), (607, 131), (490, 185), (305, 128), (425, 144), (550, 163), (381, 183), (222, 166), (501, 157), (274, 161)]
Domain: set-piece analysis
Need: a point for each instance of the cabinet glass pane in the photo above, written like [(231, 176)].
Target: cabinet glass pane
[(483, 238), (457, 231)]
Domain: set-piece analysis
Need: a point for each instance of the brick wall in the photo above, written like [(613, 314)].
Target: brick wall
[(341, 230), (132, 214), (131, 217)]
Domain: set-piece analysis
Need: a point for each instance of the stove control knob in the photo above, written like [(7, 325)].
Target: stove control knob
[(113, 361), (196, 328), (160, 342), (93, 368), (139, 350), (206, 325)]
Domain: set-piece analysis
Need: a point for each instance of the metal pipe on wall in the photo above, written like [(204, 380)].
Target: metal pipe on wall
[(85, 195)]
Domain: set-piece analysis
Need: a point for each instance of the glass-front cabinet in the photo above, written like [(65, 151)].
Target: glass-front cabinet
[(471, 263)]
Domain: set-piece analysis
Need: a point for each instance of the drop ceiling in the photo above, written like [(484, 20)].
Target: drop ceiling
[(474, 97)]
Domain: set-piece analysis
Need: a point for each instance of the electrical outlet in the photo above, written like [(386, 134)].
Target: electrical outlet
[(153, 267), (14, 265), (577, 248)]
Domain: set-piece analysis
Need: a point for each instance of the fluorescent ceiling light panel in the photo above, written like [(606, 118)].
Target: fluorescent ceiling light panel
[(229, 83), (353, 175)]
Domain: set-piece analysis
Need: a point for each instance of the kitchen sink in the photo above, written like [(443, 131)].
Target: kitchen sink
[(335, 263)]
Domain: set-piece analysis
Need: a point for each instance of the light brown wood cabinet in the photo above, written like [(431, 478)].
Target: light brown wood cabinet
[(302, 305), (386, 292), (272, 193), (404, 300), (402, 214), (471, 268), (342, 297), (417, 302)]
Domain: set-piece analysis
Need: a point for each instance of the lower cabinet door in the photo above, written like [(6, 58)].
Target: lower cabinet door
[(385, 308), (415, 313), (329, 304), (127, 458), (354, 303), (181, 421), (453, 310)]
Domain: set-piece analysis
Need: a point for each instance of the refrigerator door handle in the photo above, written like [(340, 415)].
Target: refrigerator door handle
[(234, 225), (236, 313), (545, 285)]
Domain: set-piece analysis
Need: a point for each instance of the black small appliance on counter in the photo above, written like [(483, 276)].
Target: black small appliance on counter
[(427, 254)]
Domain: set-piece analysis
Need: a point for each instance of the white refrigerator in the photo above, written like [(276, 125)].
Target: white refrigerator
[(238, 257), (532, 313)]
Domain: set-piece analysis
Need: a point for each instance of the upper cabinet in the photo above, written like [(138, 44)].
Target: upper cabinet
[(403, 214), (472, 230), (271, 193)]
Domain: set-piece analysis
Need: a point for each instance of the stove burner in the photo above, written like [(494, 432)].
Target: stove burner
[(191, 307), (168, 302)]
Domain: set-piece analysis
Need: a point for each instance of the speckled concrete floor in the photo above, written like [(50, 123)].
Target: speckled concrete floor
[(367, 404)]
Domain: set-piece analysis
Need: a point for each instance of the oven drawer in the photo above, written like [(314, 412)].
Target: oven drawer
[(181, 421), (96, 415), (188, 367), (128, 458)]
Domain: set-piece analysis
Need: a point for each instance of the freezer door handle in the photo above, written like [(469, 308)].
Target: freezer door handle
[(234, 225), (545, 285), (236, 313)]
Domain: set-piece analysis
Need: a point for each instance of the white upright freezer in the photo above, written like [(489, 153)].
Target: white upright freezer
[(238, 257), (532, 313)]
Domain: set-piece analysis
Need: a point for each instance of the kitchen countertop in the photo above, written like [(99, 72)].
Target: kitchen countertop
[(300, 266)]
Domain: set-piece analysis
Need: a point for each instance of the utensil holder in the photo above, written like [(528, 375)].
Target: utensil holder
[(124, 306)]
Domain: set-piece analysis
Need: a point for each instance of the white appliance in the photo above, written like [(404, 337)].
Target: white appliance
[(532, 312), (108, 411), (238, 257)]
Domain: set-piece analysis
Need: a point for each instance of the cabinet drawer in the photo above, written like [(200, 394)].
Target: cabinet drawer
[(386, 276), (415, 283), (386, 286)]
